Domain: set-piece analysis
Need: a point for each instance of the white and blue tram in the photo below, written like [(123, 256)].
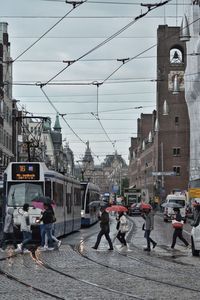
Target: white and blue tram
[(90, 203), (26, 181)]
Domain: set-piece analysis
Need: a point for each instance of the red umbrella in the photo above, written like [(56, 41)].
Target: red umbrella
[(144, 206), (116, 208)]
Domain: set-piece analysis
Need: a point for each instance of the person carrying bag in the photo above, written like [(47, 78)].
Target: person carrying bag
[(122, 227)]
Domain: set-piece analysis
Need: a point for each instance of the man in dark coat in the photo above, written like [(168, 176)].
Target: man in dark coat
[(105, 229), (178, 232)]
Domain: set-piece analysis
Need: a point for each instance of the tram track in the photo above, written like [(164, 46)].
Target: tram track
[(146, 278), (22, 282), (49, 267)]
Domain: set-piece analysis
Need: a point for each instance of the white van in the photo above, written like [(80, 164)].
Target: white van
[(169, 211)]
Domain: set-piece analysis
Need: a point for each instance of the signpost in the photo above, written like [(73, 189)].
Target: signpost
[(170, 173), (194, 192)]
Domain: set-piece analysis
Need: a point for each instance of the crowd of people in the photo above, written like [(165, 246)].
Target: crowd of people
[(47, 220), (148, 215), (50, 242)]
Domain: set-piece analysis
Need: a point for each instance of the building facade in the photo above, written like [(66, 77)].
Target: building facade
[(192, 88), (159, 155), (7, 105)]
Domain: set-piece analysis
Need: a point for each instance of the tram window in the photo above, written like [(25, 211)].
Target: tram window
[(77, 197), (58, 193), (48, 189), (21, 193), (69, 203), (1, 203)]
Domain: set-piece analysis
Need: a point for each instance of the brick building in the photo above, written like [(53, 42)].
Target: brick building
[(162, 143)]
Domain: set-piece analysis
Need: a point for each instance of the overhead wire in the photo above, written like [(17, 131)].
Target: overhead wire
[(97, 84), (106, 40), (62, 115), (73, 7)]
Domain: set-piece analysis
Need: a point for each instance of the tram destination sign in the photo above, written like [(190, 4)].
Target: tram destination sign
[(25, 171), (164, 173)]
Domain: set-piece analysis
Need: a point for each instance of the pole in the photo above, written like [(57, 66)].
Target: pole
[(162, 165)]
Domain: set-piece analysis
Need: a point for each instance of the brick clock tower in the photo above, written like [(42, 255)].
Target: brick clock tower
[(172, 125)]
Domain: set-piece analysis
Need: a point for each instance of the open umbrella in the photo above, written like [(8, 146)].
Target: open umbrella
[(97, 203), (116, 208), (172, 205), (40, 201), (144, 206)]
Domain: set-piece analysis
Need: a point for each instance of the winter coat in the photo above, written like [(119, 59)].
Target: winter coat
[(25, 223), (149, 221), (123, 226), (9, 221), (196, 221), (104, 221), (47, 217)]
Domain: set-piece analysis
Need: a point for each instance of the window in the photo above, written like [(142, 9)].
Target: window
[(176, 120), (177, 170), (176, 151)]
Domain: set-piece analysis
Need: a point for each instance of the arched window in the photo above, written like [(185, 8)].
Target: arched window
[(176, 56)]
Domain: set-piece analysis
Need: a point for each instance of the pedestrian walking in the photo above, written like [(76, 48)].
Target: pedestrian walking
[(196, 214), (8, 230), (58, 242), (47, 219), (25, 229), (148, 216), (122, 226), (105, 229), (177, 223)]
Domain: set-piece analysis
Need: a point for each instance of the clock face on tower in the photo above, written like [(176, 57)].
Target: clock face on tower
[(171, 77)]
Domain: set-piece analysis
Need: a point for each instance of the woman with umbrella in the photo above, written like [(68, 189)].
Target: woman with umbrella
[(122, 226), (177, 223), (148, 216)]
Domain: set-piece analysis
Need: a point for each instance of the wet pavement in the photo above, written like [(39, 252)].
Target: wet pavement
[(76, 271)]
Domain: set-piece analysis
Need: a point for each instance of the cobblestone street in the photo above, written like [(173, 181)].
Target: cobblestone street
[(80, 272)]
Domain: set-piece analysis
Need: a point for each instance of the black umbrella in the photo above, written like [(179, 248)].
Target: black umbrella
[(97, 203), (172, 205)]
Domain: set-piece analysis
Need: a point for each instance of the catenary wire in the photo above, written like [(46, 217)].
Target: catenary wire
[(74, 7), (107, 40)]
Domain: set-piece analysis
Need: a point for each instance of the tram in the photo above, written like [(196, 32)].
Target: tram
[(90, 203), (26, 181)]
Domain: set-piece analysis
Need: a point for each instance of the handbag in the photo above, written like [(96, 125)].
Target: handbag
[(177, 224)]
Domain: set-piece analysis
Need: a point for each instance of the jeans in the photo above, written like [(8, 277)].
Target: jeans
[(47, 229), (178, 233), (101, 233), (27, 237), (149, 240), (121, 237)]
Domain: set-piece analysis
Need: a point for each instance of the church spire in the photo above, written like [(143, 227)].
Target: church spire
[(57, 126)]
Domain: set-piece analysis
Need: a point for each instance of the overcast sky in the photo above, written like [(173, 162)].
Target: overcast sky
[(107, 120)]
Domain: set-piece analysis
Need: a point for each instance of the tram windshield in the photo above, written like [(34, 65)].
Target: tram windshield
[(20, 193)]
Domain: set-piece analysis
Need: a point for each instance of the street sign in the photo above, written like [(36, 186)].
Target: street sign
[(194, 192), (164, 173)]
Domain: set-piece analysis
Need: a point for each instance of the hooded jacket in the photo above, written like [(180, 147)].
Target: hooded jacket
[(149, 220), (9, 222)]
